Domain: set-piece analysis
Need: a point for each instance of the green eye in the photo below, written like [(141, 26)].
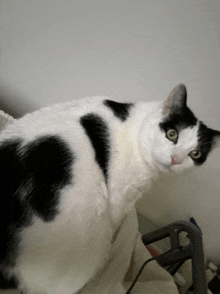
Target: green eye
[(195, 154), (172, 135)]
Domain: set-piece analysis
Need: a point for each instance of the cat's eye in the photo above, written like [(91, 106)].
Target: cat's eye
[(195, 154), (172, 135)]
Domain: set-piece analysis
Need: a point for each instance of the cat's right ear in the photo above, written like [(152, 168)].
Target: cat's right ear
[(176, 100), (215, 140)]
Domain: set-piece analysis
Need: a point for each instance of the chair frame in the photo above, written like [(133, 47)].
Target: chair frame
[(179, 254)]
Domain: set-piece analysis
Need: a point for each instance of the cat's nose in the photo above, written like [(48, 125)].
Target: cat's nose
[(175, 160)]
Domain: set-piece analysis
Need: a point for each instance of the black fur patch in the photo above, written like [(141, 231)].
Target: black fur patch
[(14, 213), (7, 283), (31, 178), (205, 142), (120, 110), (47, 161), (97, 131), (179, 119)]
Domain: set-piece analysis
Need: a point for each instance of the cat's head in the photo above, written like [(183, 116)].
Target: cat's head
[(178, 139)]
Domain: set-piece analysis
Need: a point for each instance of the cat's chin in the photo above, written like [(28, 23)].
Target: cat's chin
[(177, 169), (168, 168)]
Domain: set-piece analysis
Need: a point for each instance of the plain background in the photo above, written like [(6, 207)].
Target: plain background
[(53, 51)]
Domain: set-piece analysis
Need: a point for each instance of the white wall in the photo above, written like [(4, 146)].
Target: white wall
[(54, 51)]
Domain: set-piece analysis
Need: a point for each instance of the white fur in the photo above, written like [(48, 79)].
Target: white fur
[(61, 256)]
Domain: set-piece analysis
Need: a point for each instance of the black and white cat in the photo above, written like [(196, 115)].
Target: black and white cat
[(71, 172)]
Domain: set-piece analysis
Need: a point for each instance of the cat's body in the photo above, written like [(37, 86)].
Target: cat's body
[(74, 171)]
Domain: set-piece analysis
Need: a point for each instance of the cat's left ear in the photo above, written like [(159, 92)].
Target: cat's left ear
[(176, 100)]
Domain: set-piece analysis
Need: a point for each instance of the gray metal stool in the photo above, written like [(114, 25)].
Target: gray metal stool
[(179, 254)]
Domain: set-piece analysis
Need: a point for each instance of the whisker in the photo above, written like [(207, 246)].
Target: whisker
[(206, 143)]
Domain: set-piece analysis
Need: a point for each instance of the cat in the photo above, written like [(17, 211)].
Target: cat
[(70, 173)]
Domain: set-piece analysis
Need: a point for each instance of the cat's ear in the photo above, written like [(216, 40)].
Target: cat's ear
[(176, 100), (216, 140)]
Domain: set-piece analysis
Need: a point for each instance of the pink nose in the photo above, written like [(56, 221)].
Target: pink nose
[(175, 160)]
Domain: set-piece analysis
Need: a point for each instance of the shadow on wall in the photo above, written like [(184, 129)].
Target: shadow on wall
[(159, 203), (13, 102), (194, 193), (174, 197)]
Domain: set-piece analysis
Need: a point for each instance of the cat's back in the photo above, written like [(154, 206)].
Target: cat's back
[(59, 119)]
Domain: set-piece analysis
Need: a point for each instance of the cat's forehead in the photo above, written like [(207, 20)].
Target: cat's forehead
[(189, 134), (179, 120)]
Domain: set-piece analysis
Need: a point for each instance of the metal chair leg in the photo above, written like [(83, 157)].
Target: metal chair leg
[(179, 254)]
